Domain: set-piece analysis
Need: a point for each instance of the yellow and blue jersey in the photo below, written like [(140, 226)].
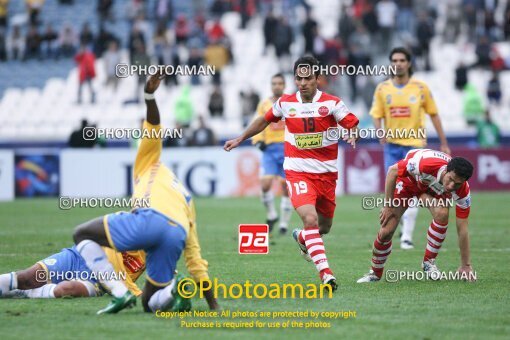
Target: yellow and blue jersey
[(403, 108), (275, 132)]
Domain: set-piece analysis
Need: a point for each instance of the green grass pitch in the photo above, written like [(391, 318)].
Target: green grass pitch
[(30, 230)]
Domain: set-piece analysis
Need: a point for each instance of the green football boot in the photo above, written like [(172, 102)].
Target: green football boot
[(128, 300), (181, 304)]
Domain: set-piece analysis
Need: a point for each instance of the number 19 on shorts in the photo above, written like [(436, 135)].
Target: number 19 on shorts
[(297, 188)]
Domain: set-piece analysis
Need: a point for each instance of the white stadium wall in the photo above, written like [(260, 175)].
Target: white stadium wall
[(6, 175)]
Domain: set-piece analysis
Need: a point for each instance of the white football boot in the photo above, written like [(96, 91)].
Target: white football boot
[(406, 245), (329, 279), (302, 247), (430, 268), (369, 277)]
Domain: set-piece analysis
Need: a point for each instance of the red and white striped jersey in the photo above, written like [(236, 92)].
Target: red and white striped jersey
[(307, 148), (425, 167)]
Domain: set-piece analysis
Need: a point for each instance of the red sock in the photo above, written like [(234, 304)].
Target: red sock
[(316, 250), (435, 237), (380, 254)]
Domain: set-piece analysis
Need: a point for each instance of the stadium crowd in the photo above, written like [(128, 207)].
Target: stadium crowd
[(367, 29)]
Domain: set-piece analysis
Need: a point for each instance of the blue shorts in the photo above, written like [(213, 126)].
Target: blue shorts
[(394, 153), (147, 229), (66, 266), (272, 161)]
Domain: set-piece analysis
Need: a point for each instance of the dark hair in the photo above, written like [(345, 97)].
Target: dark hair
[(405, 52), (279, 75), (461, 166), (307, 60)]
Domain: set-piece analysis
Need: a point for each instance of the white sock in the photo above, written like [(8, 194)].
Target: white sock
[(268, 200), (44, 292), (408, 223), (285, 212), (162, 298), (8, 282), (97, 261)]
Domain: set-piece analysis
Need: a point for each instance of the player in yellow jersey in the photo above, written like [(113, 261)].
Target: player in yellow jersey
[(271, 143), (164, 230), (401, 103), (65, 274)]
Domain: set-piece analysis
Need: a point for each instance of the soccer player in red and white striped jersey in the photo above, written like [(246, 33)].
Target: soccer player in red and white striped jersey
[(310, 157), (434, 177)]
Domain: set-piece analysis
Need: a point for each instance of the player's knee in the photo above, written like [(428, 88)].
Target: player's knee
[(441, 216), (30, 278), (80, 233), (74, 289), (265, 185), (25, 280), (66, 289), (386, 234), (310, 220)]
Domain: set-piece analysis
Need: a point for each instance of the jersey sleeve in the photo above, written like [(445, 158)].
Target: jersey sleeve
[(408, 167), (377, 109), (343, 116), (463, 201), (196, 265), (260, 113), (149, 150), (275, 113), (429, 104)]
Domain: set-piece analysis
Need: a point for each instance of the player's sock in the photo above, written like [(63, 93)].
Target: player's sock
[(285, 212), (44, 292), (408, 223), (268, 200), (380, 254), (162, 298), (97, 261), (8, 282), (301, 237), (316, 250), (435, 237)]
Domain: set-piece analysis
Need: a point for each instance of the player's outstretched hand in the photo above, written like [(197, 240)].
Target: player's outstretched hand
[(232, 144), (352, 137), (467, 270), (351, 141), (446, 149), (153, 82)]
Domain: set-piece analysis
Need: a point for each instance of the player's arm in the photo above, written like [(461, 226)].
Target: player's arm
[(436, 121), (429, 105), (462, 210), (150, 148), (465, 254), (152, 108), (378, 126), (257, 126), (377, 112), (259, 139), (347, 120), (387, 212)]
